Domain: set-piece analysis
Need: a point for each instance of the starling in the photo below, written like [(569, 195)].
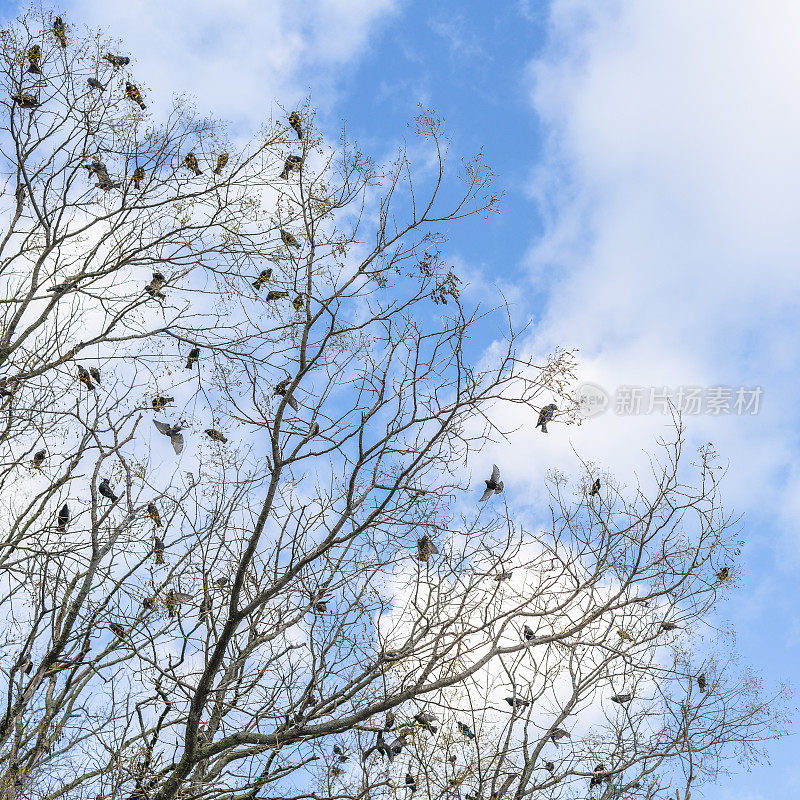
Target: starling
[(85, 378), (288, 239), (494, 485), (222, 160), (174, 433), (205, 607), (95, 373), (556, 734), (38, 458), (624, 635), (291, 163), (63, 519), (668, 626), (262, 278), (320, 606), (118, 630), (95, 84), (387, 726), (105, 489), (294, 121), (61, 288), (517, 702), (339, 752), (426, 721), (25, 99), (599, 776), (97, 167), (411, 783), (595, 488), (138, 177), (503, 576), (701, 683), (221, 582), (149, 603), (545, 415), (621, 699), (465, 730), (154, 287), (298, 302), (215, 435), (724, 575), (34, 54), (426, 548), (171, 603), (117, 61), (549, 766), (158, 549), (281, 390), (190, 162), (160, 402), (528, 634), (133, 93), (60, 31), (193, 358), (273, 294)]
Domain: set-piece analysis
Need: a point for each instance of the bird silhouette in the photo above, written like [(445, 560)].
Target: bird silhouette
[(494, 485), (528, 634), (215, 435), (160, 402), (138, 177), (34, 54), (545, 415), (701, 683), (174, 433), (117, 61), (193, 357), (38, 458), (60, 31), (25, 99), (274, 294), (95, 373), (262, 278), (132, 93), (426, 721), (339, 752), (595, 488), (599, 777), (411, 783), (291, 163), (63, 519), (517, 702), (465, 730), (294, 121), (158, 549), (106, 491), (556, 734), (190, 162), (222, 160), (95, 84), (288, 239), (426, 548), (668, 626), (621, 699), (85, 378), (281, 389), (549, 766)]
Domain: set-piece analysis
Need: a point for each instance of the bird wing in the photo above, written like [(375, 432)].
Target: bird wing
[(162, 427), (495, 473), (177, 442), (486, 495), (292, 402)]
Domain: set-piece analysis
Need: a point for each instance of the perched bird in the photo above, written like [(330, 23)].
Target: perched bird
[(174, 433), (63, 519), (105, 183), (494, 485), (701, 683), (621, 699), (724, 575), (138, 177), (149, 603), (389, 723), (624, 635), (205, 607), (595, 488), (426, 721), (339, 752), (312, 431), (160, 402), (95, 373), (288, 239), (118, 630), (262, 278), (558, 733), (291, 163), (171, 603), (273, 294), (25, 99), (60, 31), (320, 606), (517, 702), (85, 378), (298, 302), (38, 458), (426, 548), (281, 389), (132, 93), (62, 288), (294, 121), (503, 576), (158, 549), (668, 626), (193, 357), (106, 491), (117, 61), (222, 160), (528, 634), (411, 783), (190, 162), (222, 582), (95, 84), (34, 54), (20, 194), (599, 776), (545, 415), (215, 435), (549, 766), (465, 730)]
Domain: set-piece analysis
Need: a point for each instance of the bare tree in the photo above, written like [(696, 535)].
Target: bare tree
[(285, 587)]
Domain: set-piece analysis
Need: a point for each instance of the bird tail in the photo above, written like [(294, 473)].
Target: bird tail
[(284, 174), (544, 427)]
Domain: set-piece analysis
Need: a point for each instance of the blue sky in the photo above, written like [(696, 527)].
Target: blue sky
[(648, 151)]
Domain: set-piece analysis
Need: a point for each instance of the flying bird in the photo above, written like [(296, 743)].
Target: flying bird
[(426, 548), (95, 84), (158, 549), (34, 54), (38, 458), (85, 378), (132, 93), (60, 31), (160, 402), (193, 357), (106, 491), (222, 160), (494, 485), (595, 488), (262, 278), (273, 294), (558, 733), (190, 162), (63, 519), (294, 121), (621, 699), (465, 730), (281, 389), (117, 61), (215, 435), (25, 99), (174, 433), (545, 415), (288, 239), (138, 177)]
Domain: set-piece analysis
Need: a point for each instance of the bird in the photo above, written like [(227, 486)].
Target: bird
[(215, 435), (389, 723), (517, 702), (149, 603), (85, 378), (138, 177), (288, 239), (38, 458), (273, 294), (61, 288), (556, 734), (34, 54), (503, 576), (63, 519), (95, 84), (528, 634), (621, 699), (599, 776), (204, 608), (545, 415), (668, 626), (117, 61), (222, 160), (118, 630), (193, 357), (95, 373), (60, 31), (320, 606), (723, 575), (158, 550), (190, 162), (595, 488), (465, 730), (171, 603), (624, 635), (426, 721), (294, 121), (105, 183), (339, 752), (411, 782), (549, 766), (291, 163), (174, 433), (25, 99), (281, 389), (96, 167), (132, 93), (222, 582), (160, 402), (494, 485), (426, 548), (262, 278), (701, 683), (298, 302), (106, 491)]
